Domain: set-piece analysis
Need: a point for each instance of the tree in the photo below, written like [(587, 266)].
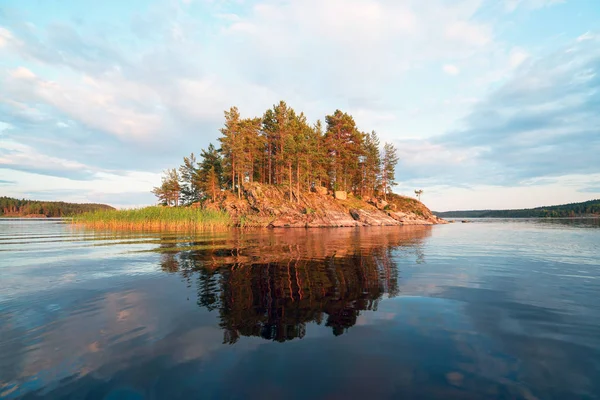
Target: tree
[(371, 165), (283, 148), (252, 145), (188, 172), (210, 172), (388, 168), (168, 192), (344, 145), (419, 193), (231, 147), (276, 127), (298, 145), (316, 156)]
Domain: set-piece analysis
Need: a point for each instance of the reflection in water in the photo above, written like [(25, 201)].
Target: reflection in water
[(501, 309), (272, 285)]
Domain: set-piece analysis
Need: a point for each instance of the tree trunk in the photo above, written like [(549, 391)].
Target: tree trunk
[(290, 173), (214, 189), (270, 162), (233, 174), (298, 182)]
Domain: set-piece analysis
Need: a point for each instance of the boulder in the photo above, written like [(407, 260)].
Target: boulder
[(321, 190), (341, 195), (382, 204)]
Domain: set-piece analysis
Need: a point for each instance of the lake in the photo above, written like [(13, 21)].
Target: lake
[(489, 309)]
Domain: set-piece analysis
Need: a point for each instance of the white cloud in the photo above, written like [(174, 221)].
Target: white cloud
[(470, 33), (451, 198), (22, 157), (103, 103), (516, 57), (5, 37), (451, 69), (22, 73), (367, 57), (512, 5), (586, 36)]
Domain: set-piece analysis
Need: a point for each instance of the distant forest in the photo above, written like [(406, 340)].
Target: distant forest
[(282, 148), (10, 207), (587, 208)]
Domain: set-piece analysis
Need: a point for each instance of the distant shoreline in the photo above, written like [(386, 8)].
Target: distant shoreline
[(589, 208)]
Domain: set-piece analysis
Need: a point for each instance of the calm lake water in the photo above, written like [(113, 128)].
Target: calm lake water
[(490, 309)]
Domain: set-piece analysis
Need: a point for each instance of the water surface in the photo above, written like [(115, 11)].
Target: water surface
[(491, 309)]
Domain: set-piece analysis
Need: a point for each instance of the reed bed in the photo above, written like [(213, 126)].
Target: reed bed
[(157, 219)]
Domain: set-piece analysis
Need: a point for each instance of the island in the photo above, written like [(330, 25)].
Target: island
[(278, 170)]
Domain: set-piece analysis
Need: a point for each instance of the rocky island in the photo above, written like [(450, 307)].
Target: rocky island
[(269, 206), (275, 171)]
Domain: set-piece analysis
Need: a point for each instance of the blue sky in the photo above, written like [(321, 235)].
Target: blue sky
[(491, 104)]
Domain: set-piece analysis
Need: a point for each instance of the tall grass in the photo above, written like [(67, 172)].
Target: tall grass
[(156, 219)]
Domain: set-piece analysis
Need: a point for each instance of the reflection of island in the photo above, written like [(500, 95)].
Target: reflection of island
[(273, 283)]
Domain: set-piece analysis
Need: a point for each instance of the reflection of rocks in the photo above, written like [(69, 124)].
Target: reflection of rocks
[(271, 285)]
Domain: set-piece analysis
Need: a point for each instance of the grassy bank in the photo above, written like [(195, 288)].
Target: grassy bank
[(156, 219)]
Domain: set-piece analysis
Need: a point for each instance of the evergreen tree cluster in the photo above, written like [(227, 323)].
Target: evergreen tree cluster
[(20, 207), (283, 148), (587, 208)]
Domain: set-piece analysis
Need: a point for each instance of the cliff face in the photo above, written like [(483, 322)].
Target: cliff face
[(270, 206)]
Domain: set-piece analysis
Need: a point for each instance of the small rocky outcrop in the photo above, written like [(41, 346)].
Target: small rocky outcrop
[(341, 195), (321, 190), (274, 206)]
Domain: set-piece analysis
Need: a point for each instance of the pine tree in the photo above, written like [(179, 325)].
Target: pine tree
[(210, 173), (231, 147), (388, 168), (252, 144), (188, 171), (169, 190), (372, 164), (283, 148), (344, 142), (276, 129)]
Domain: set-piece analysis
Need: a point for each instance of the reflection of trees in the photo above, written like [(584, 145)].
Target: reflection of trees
[(271, 285)]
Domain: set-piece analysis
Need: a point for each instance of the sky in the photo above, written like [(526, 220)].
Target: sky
[(492, 104)]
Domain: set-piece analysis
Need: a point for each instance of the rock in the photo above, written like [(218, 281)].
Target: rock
[(321, 190), (373, 218), (269, 205), (341, 195), (398, 216), (382, 204)]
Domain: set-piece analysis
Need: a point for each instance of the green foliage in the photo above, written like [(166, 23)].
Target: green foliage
[(15, 207), (344, 144), (168, 193), (371, 165), (210, 173), (189, 182), (587, 208), (388, 167), (282, 148)]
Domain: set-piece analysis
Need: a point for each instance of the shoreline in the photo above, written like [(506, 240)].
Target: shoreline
[(268, 206)]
